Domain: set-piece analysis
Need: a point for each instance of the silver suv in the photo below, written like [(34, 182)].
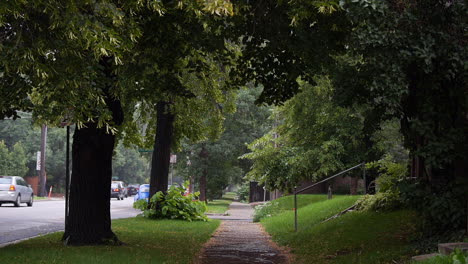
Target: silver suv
[(13, 189)]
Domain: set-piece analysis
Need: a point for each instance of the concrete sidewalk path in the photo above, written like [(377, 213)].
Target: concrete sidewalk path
[(239, 240)]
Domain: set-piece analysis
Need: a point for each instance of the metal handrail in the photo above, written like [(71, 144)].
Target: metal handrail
[(322, 181)]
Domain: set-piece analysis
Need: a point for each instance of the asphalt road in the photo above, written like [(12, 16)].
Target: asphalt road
[(17, 223)]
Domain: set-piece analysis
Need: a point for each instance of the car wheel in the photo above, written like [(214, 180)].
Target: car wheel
[(18, 201), (30, 203)]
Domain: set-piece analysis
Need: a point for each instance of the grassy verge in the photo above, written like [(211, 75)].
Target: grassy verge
[(40, 198), (146, 241), (356, 237), (285, 204), (220, 206)]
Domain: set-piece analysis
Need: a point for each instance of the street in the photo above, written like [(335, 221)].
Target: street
[(46, 216)]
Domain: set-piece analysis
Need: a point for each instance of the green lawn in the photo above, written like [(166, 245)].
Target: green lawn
[(220, 206), (356, 237), (285, 204), (146, 241)]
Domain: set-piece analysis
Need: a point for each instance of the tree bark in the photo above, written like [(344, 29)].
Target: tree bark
[(89, 221), (162, 148)]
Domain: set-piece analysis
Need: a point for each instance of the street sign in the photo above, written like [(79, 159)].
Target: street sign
[(173, 159)]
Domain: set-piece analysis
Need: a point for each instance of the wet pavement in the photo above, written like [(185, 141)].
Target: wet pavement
[(239, 240)]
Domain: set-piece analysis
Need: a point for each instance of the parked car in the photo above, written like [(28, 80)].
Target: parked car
[(15, 190), (124, 187), (132, 189), (117, 190), (143, 192)]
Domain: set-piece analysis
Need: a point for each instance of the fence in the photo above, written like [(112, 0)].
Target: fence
[(329, 190)]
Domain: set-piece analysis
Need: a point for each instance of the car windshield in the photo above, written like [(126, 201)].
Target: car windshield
[(144, 188), (5, 180), (114, 185)]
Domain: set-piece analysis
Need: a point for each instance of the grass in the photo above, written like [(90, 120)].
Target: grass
[(356, 237), (40, 198), (220, 206), (285, 204), (146, 241)]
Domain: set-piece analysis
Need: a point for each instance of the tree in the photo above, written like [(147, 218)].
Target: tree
[(56, 59), (182, 81), (129, 166), (12, 162), (412, 67), (314, 139), (217, 160)]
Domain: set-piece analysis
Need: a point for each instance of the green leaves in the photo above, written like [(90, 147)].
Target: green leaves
[(314, 138), (13, 162), (173, 205)]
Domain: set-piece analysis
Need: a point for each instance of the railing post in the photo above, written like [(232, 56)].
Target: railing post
[(295, 209)]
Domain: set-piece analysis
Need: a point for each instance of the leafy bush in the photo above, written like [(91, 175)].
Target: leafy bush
[(382, 201), (243, 192), (442, 206), (456, 257), (390, 173), (173, 205), (388, 196), (265, 210)]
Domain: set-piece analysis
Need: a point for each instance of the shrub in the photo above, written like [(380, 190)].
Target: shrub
[(442, 206), (265, 210), (173, 205), (243, 192), (382, 201), (390, 173), (456, 257)]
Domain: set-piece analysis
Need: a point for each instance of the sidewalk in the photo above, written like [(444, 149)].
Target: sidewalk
[(239, 240)]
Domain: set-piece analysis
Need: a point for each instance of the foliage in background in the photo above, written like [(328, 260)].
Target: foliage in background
[(314, 138), (243, 192), (409, 63), (129, 165), (173, 205), (12, 162), (219, 160)]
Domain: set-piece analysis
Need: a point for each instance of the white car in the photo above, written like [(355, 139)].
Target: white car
[(15, 190)]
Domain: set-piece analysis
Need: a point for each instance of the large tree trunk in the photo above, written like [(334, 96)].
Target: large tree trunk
[(88, 220), (162, 148)]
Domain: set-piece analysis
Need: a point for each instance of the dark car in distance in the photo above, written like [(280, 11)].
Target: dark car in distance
[(118, 190), (132, 189)]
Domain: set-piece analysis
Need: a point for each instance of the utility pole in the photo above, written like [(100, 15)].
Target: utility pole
[(42, 171)]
